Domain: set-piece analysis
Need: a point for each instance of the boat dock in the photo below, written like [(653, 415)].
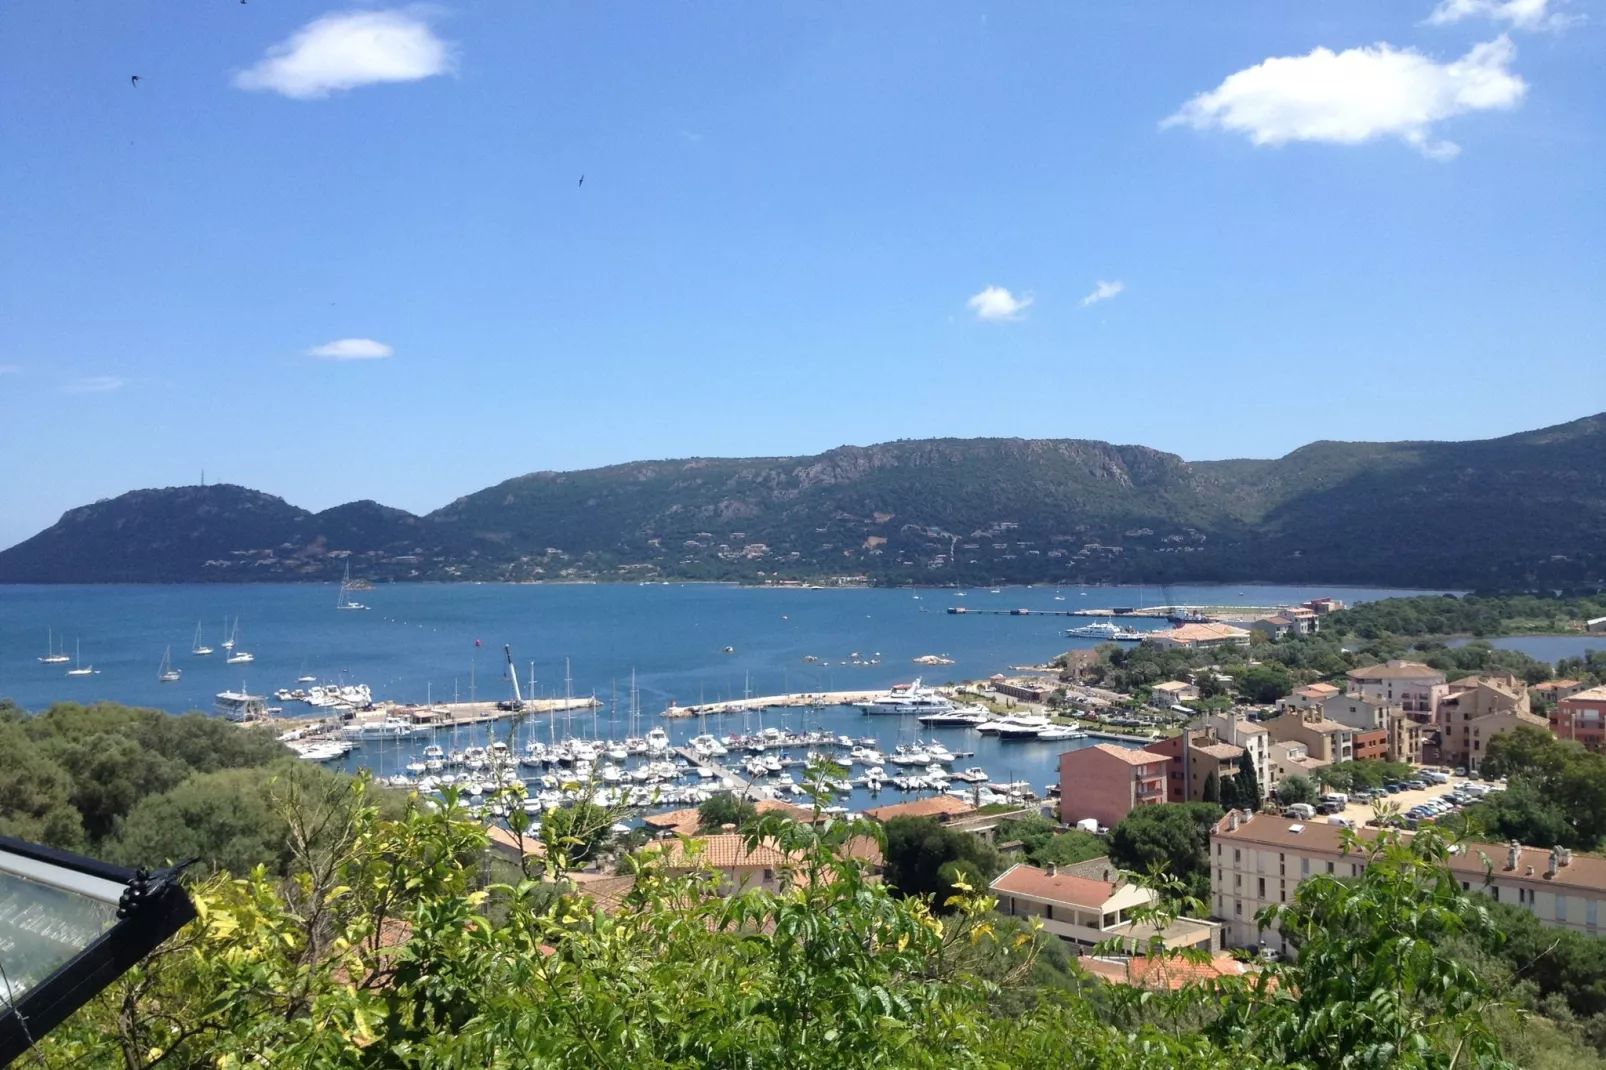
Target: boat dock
[(743, 786), (774, 702), (1216, 613)]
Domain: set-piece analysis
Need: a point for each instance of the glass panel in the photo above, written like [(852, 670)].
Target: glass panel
[(41, 927)]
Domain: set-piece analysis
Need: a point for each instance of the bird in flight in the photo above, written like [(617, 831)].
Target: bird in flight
[(582, 180), (134, 81)]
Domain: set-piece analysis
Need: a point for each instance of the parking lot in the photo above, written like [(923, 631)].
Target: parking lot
[(1361, 811)]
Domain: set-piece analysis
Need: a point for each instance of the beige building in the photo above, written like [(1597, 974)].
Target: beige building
[(1258, 861), (1308, 696), (1416, 688), (1172, 692), (1085, 912), (1477, 709), (1195, 754), (1237, 729), (1327, 740), (1404, 736), (1201, 636), (1288, 758), (1553, 691)]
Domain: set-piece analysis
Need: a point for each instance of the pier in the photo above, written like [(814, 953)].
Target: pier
[(1215, 613), (743, 786)]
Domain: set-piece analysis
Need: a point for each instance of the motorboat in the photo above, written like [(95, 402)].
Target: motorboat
[(1022, 728), (959, 717), (905, 699), (1058, 732), (1106, 632)]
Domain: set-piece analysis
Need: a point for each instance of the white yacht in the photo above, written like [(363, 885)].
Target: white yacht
[(958, 717), (239, 706), (344, 600), (657, 741), (198, 648), (1104, 631), (236, 655), (907, 699), (1056, 732), (78, 666), (52, 656), (167, 674), (1019, 728)]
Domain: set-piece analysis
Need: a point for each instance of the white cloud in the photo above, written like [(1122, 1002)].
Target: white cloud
[(1103, 292), (997, 305), (351, 349), (1357, 95), (1521, 14), (96, 384), (348, 49)]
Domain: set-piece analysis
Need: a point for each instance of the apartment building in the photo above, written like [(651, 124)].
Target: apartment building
[(1201, 636), (1195, 754), (1330, 741), (1477, 709), (1308, 696), (1288, 758), (1258, 861), (1106, 782), (1236, 728), (1416, 688), (1581, 717), (1085, 912), (1553, 691), (1382, 730)]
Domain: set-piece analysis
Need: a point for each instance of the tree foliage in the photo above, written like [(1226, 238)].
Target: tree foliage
[(925, 858), (1297, 788), (1174, 838)]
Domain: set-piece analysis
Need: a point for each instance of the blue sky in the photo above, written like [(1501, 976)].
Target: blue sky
[(802, 224)]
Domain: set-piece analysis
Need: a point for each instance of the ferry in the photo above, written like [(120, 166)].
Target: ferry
[(1107, 632), (240, 707), (906, 699)]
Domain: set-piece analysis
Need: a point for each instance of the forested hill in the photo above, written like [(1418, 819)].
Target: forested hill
[(1524, 510)]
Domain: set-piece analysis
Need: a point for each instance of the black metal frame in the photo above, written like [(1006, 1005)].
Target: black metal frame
[(153, 907)]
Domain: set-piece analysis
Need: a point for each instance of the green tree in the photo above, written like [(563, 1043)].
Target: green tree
[(35, 793), (1249, 794), (1267, 682), (1296, 788), (1174, 838), (918, 849), (224, 818), (724, 808), (1068, 848), (1212, 788)]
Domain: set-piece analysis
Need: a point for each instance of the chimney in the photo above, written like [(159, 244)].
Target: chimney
[(1529, 872), (1513, 854), (1051, 869), (1566, 854), (1551, 872), (1232, 821)]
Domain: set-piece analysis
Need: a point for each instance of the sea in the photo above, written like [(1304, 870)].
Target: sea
[(688, 643)]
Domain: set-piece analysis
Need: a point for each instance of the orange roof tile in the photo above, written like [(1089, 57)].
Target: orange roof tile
[(1021, 879), (1164, 972), (1129, 755), (932, 806)]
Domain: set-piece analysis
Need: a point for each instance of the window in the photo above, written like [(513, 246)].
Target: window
[(1238, 907), (1218, 875), (1282, 868), (1282, 891), (1304, 867), (1354, 869), (1237, 880), (1236, 856), (1494, 892), (1329, 867), (1589, 912), (1218, 850), (1465, 887), (1561, 908)]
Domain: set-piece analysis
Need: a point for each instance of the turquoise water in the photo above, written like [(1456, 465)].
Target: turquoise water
[(418, 641)]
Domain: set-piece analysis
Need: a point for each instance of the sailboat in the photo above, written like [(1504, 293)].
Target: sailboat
[(343, 600), (199, 649), (52, 655), (78, 667), (228, 637), (237, 657), (167, 674), (305, 677)]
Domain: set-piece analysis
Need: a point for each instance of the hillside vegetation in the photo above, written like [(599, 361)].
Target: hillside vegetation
[(1521, 511)]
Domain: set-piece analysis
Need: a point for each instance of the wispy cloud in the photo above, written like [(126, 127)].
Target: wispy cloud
[(1357, 95), (10, 369), (1103, 292), (96, 384), (1519, 14), (351, 349), (997, 305), (344, 50)]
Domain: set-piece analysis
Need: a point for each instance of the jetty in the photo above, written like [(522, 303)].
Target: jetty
[(742, 786), (803, 699), (1236, 614)]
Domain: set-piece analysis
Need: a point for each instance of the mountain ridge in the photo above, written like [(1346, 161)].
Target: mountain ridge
[(1517, 510)]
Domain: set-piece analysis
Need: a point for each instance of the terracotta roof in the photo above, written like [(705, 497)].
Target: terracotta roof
[(1315, 690), (1171, 685), (1223, 751), (1584, 872), (686, 822), (501, 837), (1162, 972), (1129, 755), (1194, 633), (1594, 694), (1279, 620), (931, 806), (1021, 879), (1554, 685), (1406, 670), (729, 850)]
